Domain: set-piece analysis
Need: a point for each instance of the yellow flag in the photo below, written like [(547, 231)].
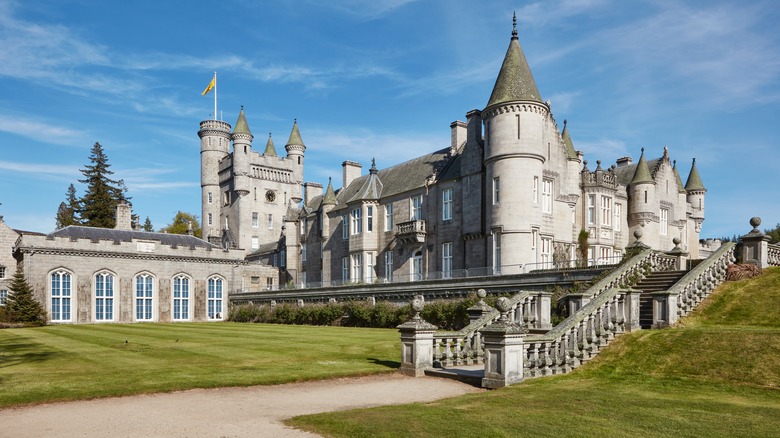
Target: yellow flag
[(210, 86)]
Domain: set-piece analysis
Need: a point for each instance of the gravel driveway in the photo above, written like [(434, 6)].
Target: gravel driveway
[(225, 412)]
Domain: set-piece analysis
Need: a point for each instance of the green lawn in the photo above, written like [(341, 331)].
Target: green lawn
[(716, 374), (69, 362)]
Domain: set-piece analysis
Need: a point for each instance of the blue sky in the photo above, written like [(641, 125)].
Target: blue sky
[(379, 78)]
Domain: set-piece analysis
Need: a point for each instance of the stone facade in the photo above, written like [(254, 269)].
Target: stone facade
[(510, 193)]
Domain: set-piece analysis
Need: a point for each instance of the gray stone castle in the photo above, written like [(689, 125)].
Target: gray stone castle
[(508, 194)]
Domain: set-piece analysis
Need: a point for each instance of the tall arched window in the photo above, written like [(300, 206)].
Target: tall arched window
[(104, 296), (144, 297), (214, 299), (61, 296), (181, 298)]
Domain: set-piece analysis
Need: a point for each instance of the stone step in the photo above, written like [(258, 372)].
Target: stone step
[(469, 374)]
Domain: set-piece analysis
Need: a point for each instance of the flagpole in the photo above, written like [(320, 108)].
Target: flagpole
[(215, 96)]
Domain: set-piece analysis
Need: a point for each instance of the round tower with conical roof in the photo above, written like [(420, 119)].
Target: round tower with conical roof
[(694, 189), (295, 151), (515, 121), (242, 148), (642, 198), (214, 147)]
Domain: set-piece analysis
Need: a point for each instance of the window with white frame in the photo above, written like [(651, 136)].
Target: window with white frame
[(416, 208), (181, 298), (618, 215), (214, 304), (546, 251), (61, 295), (605, 255), (211, 198), (255, 219), (104, 296), (270, 221), (357, 267), (389, 265), (606, 211), (446, 204), (255, 242), (370, 267), (344, 268), (144, 297), (344, 227), (536, 189), (2, 271), (591, 209), (664, 222), (357, 221), (496, 190), (547, 191), (496, 252), (3, 296), (534, 241), (389, 217), (304, 225), (446, 260), (369, 218), (417, 266)]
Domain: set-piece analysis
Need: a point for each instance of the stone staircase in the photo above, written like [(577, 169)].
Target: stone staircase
[(655, 282)]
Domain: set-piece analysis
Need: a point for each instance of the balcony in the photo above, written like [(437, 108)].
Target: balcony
[(411, 232)]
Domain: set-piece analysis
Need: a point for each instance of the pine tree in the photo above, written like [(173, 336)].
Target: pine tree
[(21, 306), (67, 213), (98, 205), (148, 225)]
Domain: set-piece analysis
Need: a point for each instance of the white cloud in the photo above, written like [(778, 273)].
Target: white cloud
[(602, 149), (41, 131), (39, 168), (366, 9)]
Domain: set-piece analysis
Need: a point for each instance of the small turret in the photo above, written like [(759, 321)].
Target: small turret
[(242, 146), (270, 149), (642, 194), (328, 204), (295, 147), (695, 195)]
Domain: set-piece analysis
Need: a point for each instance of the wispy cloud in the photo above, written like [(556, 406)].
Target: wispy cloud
[(39, 168), (41, 131), (366, 9)]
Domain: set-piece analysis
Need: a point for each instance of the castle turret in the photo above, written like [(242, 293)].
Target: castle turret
[(295, 150), (515, 151), (270, 149), (242, 147), (695, 195), (214, 147), (641, 192)]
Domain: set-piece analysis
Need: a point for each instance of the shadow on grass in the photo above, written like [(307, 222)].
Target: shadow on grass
[(15, 353), (386, 363)]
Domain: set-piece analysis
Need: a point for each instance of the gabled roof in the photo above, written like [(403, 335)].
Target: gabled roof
[(694, 180), (270, 150), (515, 81), (79, 232)]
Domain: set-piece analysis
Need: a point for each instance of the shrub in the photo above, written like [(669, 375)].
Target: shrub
[(244, 313), (742, 271)]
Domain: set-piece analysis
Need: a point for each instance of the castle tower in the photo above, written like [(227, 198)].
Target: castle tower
[(295, 149), (695, 194), (214, 146), (642, 199), (515, 120), (242, 148)]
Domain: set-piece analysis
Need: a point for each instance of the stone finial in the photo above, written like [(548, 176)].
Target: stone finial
[(755, 222), (503, 306), (481, 294), (676, 242), (638, 234), (514, 25), (417, 305)]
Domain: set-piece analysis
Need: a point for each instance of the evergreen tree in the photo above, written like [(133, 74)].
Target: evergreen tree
[(180, 224), (67, 213), (98, 205), (21, 306), (774, 234), (148, 225)]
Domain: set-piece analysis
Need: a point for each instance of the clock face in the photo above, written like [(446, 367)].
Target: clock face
[(270, 196)]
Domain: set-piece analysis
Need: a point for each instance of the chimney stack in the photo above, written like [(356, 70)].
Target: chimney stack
[(351, 171), (123, 216)]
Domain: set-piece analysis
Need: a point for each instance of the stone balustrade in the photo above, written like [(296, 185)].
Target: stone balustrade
[(701, 281), (773, 254), (631, 272)]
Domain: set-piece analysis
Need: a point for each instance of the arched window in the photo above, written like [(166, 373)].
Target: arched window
[(144, 297), (181, 298), (104, 296), (214, 299), (61, 295)]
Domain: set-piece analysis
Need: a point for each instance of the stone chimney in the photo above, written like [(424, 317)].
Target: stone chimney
[(310, 191), (123, 216), (474, 125), (623, 161), (351, 171), (458, 133)]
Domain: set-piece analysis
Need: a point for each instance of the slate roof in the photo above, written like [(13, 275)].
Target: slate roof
[(694, 180), (241, 126), (680, 186), (371, 188), (295, 135), (570, 151), (265, 248), (270, 149), (625, 174), (91, 233), (515, 81), (329, 198)]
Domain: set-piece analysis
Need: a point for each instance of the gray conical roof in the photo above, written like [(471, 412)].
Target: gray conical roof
[(270, 150), (515, 81), (371, 188), (694, 180), (642, 173), (680, 186), (295, 135), (241, 126), (570, 151), (330, 196)]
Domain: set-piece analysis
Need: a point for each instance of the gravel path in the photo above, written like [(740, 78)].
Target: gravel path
[(225, 412)]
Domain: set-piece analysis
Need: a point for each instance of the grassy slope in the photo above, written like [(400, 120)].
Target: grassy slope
[(84, 361), (717, 374)]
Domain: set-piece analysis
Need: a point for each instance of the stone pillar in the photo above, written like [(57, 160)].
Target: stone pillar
[(577, 301), (664, 309), (504, 349), (416, 343), (632, 309), (680, 255), (480, 309), (543, 310), (755, 245)]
